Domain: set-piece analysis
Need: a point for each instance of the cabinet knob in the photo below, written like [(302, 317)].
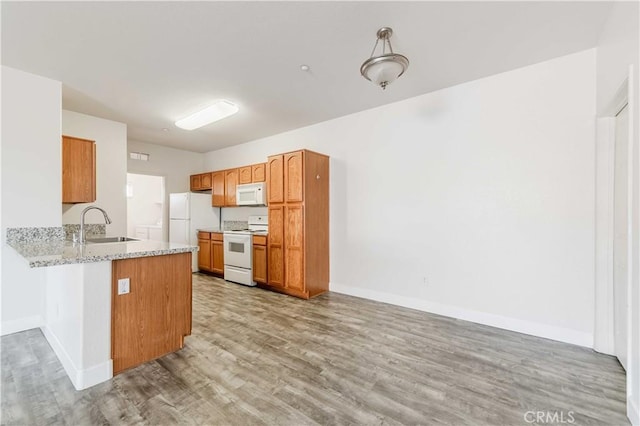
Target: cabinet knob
[(317, 177)]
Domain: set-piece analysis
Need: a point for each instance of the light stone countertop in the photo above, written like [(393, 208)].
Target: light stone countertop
[(59, 252), (210, 230)]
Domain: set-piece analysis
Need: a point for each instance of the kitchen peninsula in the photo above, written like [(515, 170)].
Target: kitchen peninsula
[(109, 306)]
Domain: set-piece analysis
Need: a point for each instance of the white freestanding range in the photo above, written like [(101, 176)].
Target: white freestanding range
[(238, 251), (188, 212)]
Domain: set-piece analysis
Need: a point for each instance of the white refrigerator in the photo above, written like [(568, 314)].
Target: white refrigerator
[(188, 212)]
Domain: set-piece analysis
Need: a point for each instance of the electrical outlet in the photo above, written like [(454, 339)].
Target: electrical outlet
[(424, 281), (123, 286)]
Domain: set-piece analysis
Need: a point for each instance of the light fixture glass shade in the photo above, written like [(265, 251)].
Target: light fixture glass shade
[(215, 112), (385, 69)]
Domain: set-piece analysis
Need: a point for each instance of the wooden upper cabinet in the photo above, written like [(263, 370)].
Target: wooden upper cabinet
[(259, 172), (217, 189), (205, 180), (293, 177), (200, 182), (275, 179), (231, 181), (78, 170), (244, 175), (195, 182), (252, 174)]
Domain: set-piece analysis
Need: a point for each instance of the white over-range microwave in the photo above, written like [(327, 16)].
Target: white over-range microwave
[(251, 194)]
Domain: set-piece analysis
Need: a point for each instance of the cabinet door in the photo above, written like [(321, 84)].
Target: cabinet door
[(275, 179), (231, 181), (217, 257), (205, 181), (244, 175), (293, 179), (259, 172), (293, 247), (275, 250), (153, 318), (204, 255), (196, 182), (217, 189), (260, 264), (78, 170)]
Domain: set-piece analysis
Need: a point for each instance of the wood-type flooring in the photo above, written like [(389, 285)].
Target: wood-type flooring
[(257, 357)]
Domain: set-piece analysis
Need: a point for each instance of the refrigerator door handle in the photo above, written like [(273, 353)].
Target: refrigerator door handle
[(187, 231)]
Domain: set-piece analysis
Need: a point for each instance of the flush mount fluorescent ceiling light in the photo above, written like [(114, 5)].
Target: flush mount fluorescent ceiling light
[(215, 112)]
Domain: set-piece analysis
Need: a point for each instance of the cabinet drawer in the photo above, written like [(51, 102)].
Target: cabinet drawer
[(204, 235), (216, 236), (260, 240)]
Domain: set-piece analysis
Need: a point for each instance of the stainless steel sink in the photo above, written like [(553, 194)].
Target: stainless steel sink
[(110, 240)]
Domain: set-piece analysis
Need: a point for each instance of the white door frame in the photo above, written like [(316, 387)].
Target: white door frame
[(605, 158), (604, 302)]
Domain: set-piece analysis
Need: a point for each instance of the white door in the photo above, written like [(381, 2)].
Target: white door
[(179, 206), (179, 231), (621, 228)]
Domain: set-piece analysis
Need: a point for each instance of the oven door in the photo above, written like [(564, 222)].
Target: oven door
[(237, 250)]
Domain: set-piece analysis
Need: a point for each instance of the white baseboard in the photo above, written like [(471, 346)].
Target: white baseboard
[(81, 379), (22, 324), (633, 412), (512, 324)]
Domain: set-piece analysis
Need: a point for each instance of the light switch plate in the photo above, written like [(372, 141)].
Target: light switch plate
[(123, 286)]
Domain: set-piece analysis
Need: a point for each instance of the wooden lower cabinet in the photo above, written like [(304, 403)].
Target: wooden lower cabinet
[(211, 253), (217, 254), (260, 259), (155, 316), (276, 247), (204, 252), (294, 247)]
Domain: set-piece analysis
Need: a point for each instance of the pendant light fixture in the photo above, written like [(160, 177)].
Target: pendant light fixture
[(385, 68)]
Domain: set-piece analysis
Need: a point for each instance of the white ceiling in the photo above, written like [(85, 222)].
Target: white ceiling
[(148, 64)]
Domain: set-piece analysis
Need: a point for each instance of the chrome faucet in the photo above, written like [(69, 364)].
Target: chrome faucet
[(106, 219)]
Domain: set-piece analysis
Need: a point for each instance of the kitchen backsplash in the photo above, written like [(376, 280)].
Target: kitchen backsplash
[(90, 229), (33, 235), (234, 225)]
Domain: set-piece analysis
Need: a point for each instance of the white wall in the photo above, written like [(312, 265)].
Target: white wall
[(145, 206), (111, 169), (175, 165), (31, 186), (78, 320), (242, 213), (484, 190), (617, 49)]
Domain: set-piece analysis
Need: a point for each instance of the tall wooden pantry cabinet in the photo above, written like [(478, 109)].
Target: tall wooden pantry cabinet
[(298, 245)]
